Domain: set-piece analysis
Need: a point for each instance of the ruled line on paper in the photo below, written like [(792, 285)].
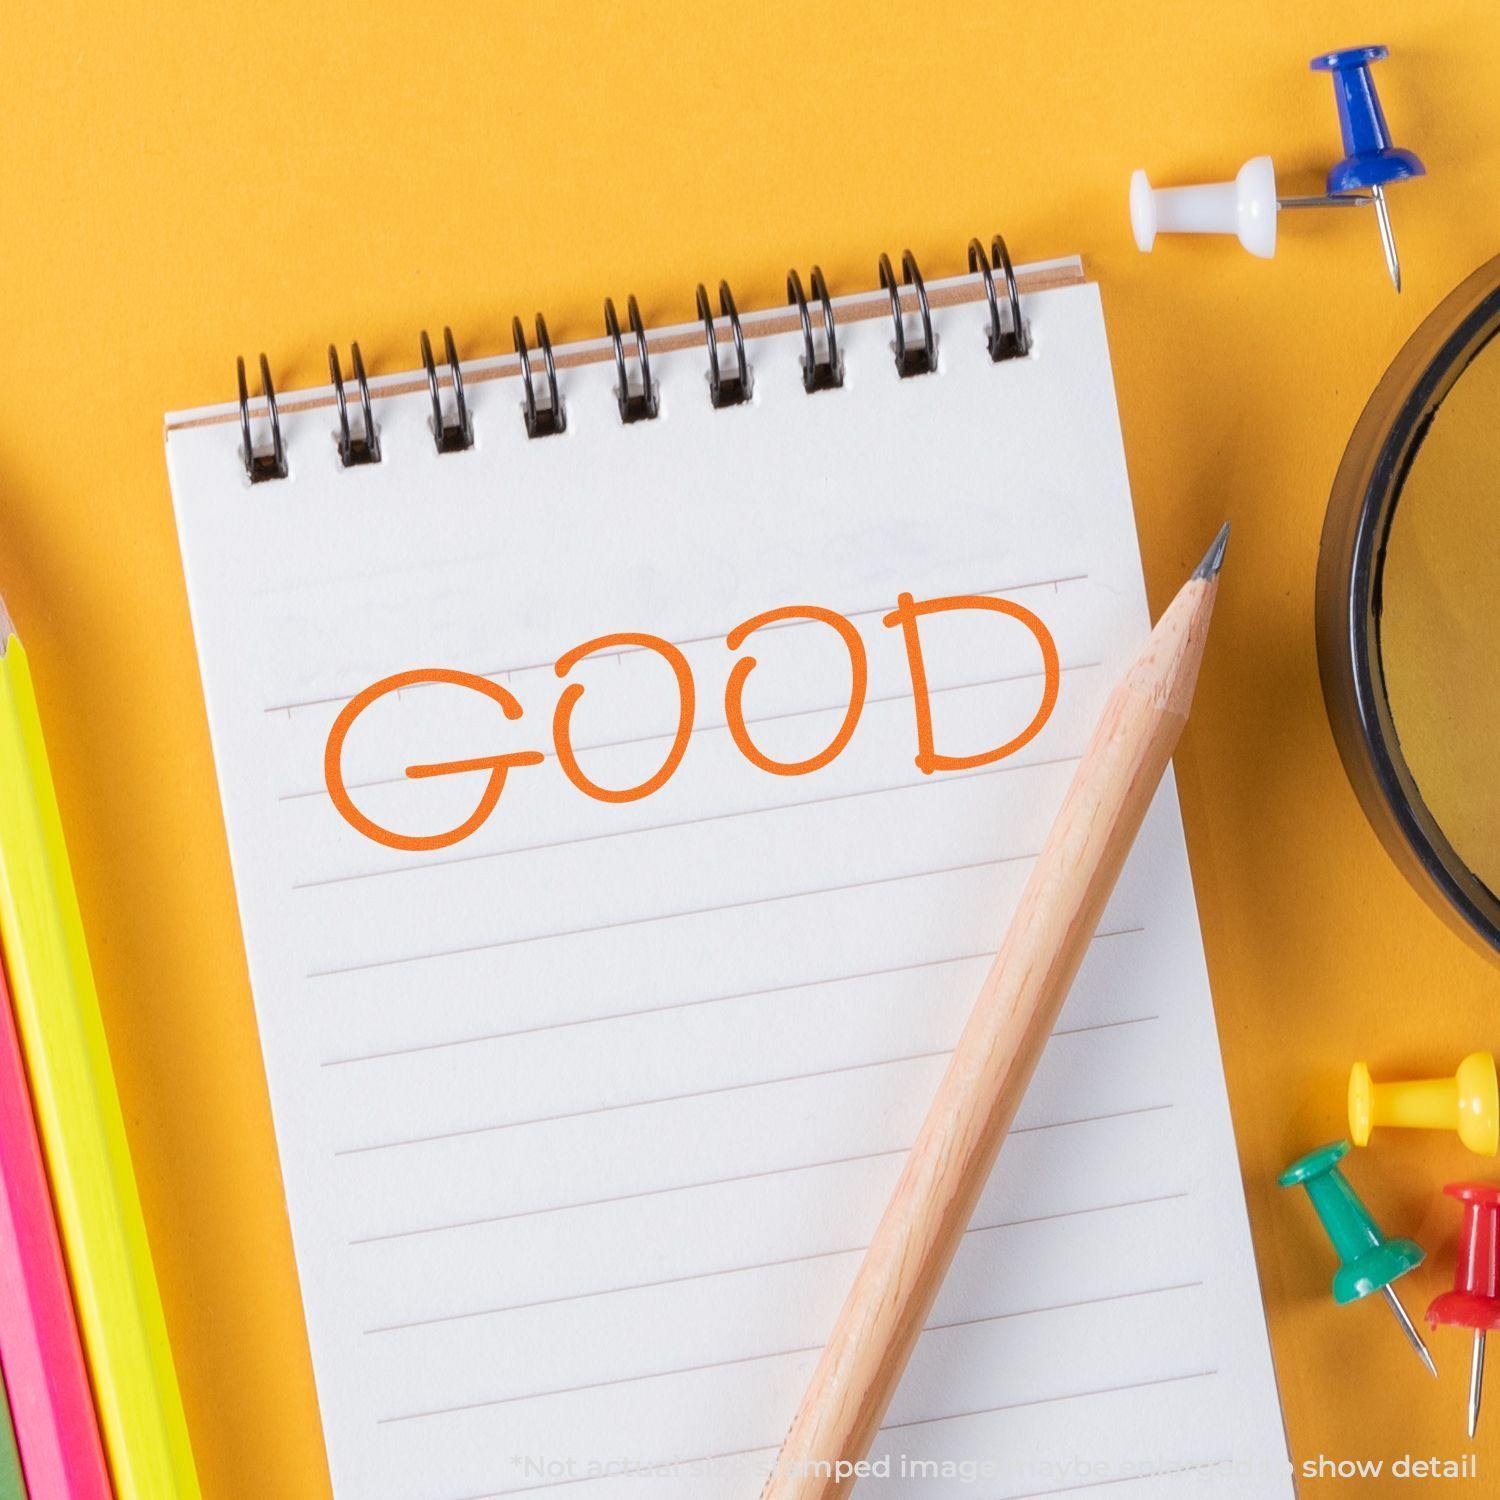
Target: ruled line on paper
[(666, 916), (709, 1093), (764, 1172), (771, 1449), (657, 1010), (706, 1000), (609, 1109), (417, 866), (660, 1192), (764, 1265), (826, 798), (747, 1359), (1108, 1390), (697, 640), (1106, 1025), (717, 725)]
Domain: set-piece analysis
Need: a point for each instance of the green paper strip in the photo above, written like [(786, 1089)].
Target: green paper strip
[(12, 1482)]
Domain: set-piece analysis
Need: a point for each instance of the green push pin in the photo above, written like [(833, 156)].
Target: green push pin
[(1369, 1261)]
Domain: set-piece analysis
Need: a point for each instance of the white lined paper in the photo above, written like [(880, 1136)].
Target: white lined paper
[(585, 1121)]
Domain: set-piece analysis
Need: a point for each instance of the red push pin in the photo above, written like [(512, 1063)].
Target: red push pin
[(1474, 1301)]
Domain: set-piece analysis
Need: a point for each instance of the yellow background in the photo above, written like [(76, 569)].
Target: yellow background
[(184, 183)]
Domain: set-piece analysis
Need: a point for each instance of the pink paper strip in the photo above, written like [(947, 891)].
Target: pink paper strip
[(46, 1379)]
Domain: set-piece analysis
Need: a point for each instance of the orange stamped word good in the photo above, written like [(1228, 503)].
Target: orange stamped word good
[(734, 692), (562, 718), (907, 616), (497, 765), (907, 613)]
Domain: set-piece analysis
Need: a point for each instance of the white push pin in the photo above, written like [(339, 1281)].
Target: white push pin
[(1245, 208)]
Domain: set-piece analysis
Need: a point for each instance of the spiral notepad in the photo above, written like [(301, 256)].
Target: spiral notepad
[(631, 751)]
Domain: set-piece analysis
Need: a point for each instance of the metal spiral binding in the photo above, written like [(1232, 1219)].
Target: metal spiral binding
[(826, 374), (1005, 343), (729, 384), (364, 449), (635, 406), (455, 436), (724, 390), (259, 466), (919, 359), (541, 421)]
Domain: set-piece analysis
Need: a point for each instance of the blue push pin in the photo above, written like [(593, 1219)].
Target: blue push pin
[(1370, 160)]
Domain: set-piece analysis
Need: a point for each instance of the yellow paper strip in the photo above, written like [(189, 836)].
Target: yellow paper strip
[(79, 1118)]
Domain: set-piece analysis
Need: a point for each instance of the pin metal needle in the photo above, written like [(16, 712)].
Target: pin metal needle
[(1476, 1381), (1409, 1329), (1387, 239), (1327, 200), (1474, 1302)]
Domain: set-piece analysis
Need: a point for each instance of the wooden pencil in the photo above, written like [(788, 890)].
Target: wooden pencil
[(46, 1380), (78, 1115), (1017, 1008)]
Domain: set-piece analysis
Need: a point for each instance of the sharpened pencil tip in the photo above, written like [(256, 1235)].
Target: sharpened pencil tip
[(1213, 559)]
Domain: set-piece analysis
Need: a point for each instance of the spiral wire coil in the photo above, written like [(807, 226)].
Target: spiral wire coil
[(364, 449), (455, 436), (635, 406), (729, 375)]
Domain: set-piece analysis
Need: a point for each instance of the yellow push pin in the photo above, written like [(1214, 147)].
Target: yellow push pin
[(1469, 1103)]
